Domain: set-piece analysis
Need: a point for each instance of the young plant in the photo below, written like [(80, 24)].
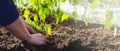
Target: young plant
[(94, 4), (36, 11), (109, 16)]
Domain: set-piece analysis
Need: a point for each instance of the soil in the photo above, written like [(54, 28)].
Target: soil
[(67, 36)]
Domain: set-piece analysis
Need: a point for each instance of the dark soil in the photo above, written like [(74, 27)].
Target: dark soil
[(67, 36)]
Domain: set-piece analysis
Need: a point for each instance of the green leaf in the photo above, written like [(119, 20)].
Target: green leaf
[(74, 15), (64, 17), (48, 29), (62, 0), (34, 7), (38, 28), (48, 2), (85, 20), (74, 2), (26, 13), (95, 4), (44, 5), (40, 12), (30, 22), (14, 1), (109, 16), (43, 17), (90, 1), (57, 20), (47, 11), (35, 19), (58, 15)]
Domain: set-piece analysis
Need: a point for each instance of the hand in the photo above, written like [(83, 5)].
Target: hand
[(20, 30), (37, 39)]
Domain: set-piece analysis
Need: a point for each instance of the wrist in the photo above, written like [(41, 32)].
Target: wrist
[(26, 37)]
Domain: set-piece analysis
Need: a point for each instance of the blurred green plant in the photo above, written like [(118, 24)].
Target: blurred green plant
[(36, 11), (109, 16), (94, 4), (42, 9)]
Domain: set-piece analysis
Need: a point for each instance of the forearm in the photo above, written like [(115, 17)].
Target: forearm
[(18, 29)]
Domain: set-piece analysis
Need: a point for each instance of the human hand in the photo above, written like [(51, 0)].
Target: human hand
[(20, 29), (37, 39)]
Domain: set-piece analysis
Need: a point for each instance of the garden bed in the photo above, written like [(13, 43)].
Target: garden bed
[(67, 36)]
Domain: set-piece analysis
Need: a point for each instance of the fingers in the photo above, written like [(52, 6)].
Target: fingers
[(43, 38), (40, 36), (38, 39), (42, 43), (30, 28)]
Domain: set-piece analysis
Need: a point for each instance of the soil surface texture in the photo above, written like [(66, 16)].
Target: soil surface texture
[(67, 36)]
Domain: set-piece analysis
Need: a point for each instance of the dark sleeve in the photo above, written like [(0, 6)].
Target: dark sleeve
[(8, 12)]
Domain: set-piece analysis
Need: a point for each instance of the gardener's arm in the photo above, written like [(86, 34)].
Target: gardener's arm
[(9, 18)]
